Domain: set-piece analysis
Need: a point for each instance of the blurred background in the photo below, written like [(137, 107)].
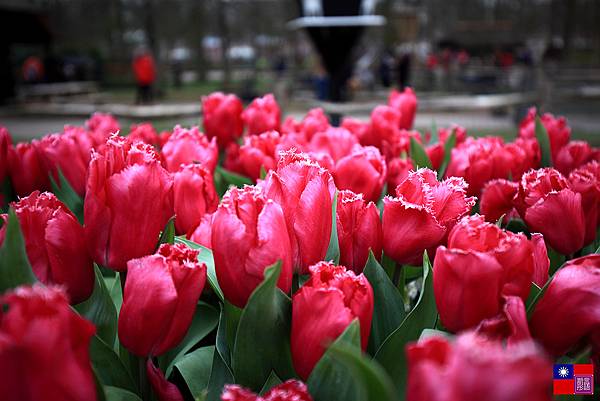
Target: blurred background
[(479, 63)]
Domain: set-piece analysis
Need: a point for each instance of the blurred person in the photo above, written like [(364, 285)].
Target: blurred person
[(33, 70), (144, 71), (385, 68), (403, 69)]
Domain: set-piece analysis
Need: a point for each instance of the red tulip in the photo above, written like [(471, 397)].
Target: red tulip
[(358, 230), (258, 151), (479, 161), (187, 146), (475, 368), (146, 133), (164, 390), (55, 244), (128, 201), (323, 308), (203, 232), (159, 299), (291, 390), (385, 122), (314, 122), (102, 126), (497, 199), (572, 155), (398, 170), (436, 154), (194, 195), (481, 265), (358, 128), (44, 352), (586, 181), (406, 103), (422, 214), (248, 235), (545, 196), (336, 142), (567, 317), (262, 115), (222, 117), (509, 325), (305, 192), (5, 145), (363, 171), (559, 133), (460, 133), (26, 169), (398, 143)]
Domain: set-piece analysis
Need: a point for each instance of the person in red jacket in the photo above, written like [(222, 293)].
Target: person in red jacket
[(144, 71)]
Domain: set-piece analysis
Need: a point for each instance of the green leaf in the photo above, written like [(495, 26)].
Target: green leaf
[(557, 259), (116, 294), (205, 257), (272, 381), (535, 296), (220, 375), (205, 320), (168, 234), (67, 195), (418, 154), (389, 312), (366, 372), (262, 338), (330, 380), (544, 141), (333, 250), (119, 394), (448, 146), (233, 178), (423, 316), (100, 310), (263, 172), (110, 369), (15, 269), (195, 369)]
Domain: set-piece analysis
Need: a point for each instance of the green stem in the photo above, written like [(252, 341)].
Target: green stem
[(143, 379)]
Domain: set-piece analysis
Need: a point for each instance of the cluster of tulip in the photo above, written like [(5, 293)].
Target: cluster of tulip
[(270, 260)]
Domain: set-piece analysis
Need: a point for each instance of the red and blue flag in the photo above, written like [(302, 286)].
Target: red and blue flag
[(573, 379)]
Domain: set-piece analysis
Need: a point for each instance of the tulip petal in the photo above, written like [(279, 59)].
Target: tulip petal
[(165, 390)]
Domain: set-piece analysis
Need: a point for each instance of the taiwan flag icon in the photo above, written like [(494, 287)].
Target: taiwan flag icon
[(573, 379)]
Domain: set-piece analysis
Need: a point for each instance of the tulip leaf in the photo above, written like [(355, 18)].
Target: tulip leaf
[(205, 320), (533, 300), (263, 331), (423, 316), (366, 372), (100, 310), (272, 381), (205, 257), (541, 134), (388, 312), (233, 178), (168, 234), (330, 379), (116, 294), (195, 369), (220, 375), (263, 172), (15, 269), (448, 146), (7, 194), (418, 154), (110, 369), (67, 195), (333, 250), (119, 394), (534, 292)]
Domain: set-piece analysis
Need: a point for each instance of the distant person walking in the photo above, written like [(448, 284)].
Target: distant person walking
[(144, 71)]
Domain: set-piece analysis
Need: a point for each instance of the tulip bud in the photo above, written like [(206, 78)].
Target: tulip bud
[(545, 196), (45, 347), (188, 146), (5, 146), (358, 229), (470, 367), (258, 152), (363, 171), (422, 214), (559, 133), (291, 390), (146, 133), (55, 244), (497, 199), (314, 122), (102, 126), (222, 117), (248, 235), (481, 265), (159, 299), (26, 169), (567, 316), (262, 115), (336, 142), (358, 128), (586, 181), (572, 155), (194, 195), (385, 123), (128, 201), (398, 170), (406, 103), (323, 308), (305, 192)]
